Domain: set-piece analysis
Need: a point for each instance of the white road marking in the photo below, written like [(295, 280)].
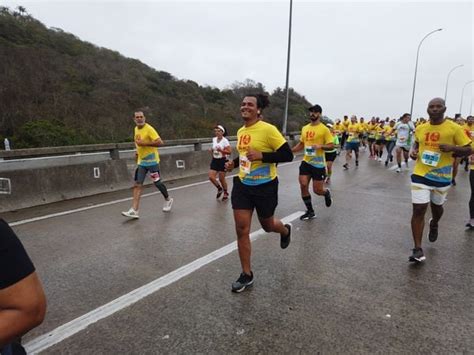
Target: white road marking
[(63, 213), (67, 330)]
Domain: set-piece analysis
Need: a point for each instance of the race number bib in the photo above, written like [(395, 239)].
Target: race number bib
[(309, 151), (245, 164), (216, 154), (430, 158)]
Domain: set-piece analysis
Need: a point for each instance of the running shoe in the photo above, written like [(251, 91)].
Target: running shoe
[(433, 233), (391, 159), (469, 225), (167, 205), (220, 190), (398, 170), (244, 281), (417, 256), (386, 162), (357, 163), (380, 159), (346, 166), (328, 198), (226, 196), (131, 213), (285, 240), (307, 215)]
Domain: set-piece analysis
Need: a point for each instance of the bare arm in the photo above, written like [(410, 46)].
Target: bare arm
[(297, 147), (22, 307)]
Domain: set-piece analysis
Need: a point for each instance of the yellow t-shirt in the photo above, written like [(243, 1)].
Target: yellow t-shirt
[(371, 128), (353, 131), (345, 124), (147, 156), (311, 135), (389, 133), (469, 130), (431, 163), (264, 138), (338, 128)]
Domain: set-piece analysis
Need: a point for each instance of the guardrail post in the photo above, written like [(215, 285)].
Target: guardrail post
[(197, 147), (114, 153)]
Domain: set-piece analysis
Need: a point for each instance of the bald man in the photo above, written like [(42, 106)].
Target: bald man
[(435, 144)]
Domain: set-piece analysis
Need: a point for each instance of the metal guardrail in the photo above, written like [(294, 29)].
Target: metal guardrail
[(113, 148)]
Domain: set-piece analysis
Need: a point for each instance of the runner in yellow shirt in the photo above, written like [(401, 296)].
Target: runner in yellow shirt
[(147, 142), (260, 146), (469, 127), (371, 132), (345, 124), (380, 132), (315, 139), (390, 139), (435, 143), (353, 142)]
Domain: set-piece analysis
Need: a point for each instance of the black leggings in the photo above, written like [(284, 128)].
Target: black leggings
[(471, 201)]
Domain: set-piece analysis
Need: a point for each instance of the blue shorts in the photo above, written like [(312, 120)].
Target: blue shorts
[(352, 146), (141, 171)]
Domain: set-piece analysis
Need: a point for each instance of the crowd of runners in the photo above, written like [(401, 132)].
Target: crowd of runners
[(436, 147)]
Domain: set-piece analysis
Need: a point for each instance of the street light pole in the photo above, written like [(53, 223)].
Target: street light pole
[(285, 120), (416, 68), (447, 81), (462, 94)]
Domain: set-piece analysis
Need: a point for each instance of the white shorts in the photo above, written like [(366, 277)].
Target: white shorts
[(421, 194)]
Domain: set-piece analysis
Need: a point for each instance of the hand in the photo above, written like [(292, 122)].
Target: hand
[(253, 155), (414, 154), (229, 165), (446, 148), (140, 142)]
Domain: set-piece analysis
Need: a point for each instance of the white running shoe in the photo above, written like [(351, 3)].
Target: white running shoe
[(380, 159), (398, 170), (131, 213), (167, 205)]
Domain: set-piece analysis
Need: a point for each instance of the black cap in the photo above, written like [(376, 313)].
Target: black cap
[(315, 108)]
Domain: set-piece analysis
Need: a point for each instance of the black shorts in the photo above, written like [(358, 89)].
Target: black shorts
[(371, 140), (318, 174), (330, 156), (141, 171), (218, 164), (380, 141), (264, 197)]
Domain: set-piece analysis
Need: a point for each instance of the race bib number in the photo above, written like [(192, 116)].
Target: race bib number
[(245, 164), (155, 176), (309, 151), (216, 154), (430, 158)]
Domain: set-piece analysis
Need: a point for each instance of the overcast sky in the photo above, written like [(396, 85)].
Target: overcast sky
[(350, 57)]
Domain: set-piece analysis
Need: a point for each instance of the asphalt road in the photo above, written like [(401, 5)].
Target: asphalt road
[(344, 285)]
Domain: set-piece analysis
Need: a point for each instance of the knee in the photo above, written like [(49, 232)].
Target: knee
[(242, 231)]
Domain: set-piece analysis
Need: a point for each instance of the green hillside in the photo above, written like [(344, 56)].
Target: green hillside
[(58, 90)]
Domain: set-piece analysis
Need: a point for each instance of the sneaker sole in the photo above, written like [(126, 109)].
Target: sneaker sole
[(417, 260), (133, 217), (243, 288), (307, 218)]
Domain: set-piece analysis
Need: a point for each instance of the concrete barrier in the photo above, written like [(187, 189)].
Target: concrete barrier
[(35, 181)]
